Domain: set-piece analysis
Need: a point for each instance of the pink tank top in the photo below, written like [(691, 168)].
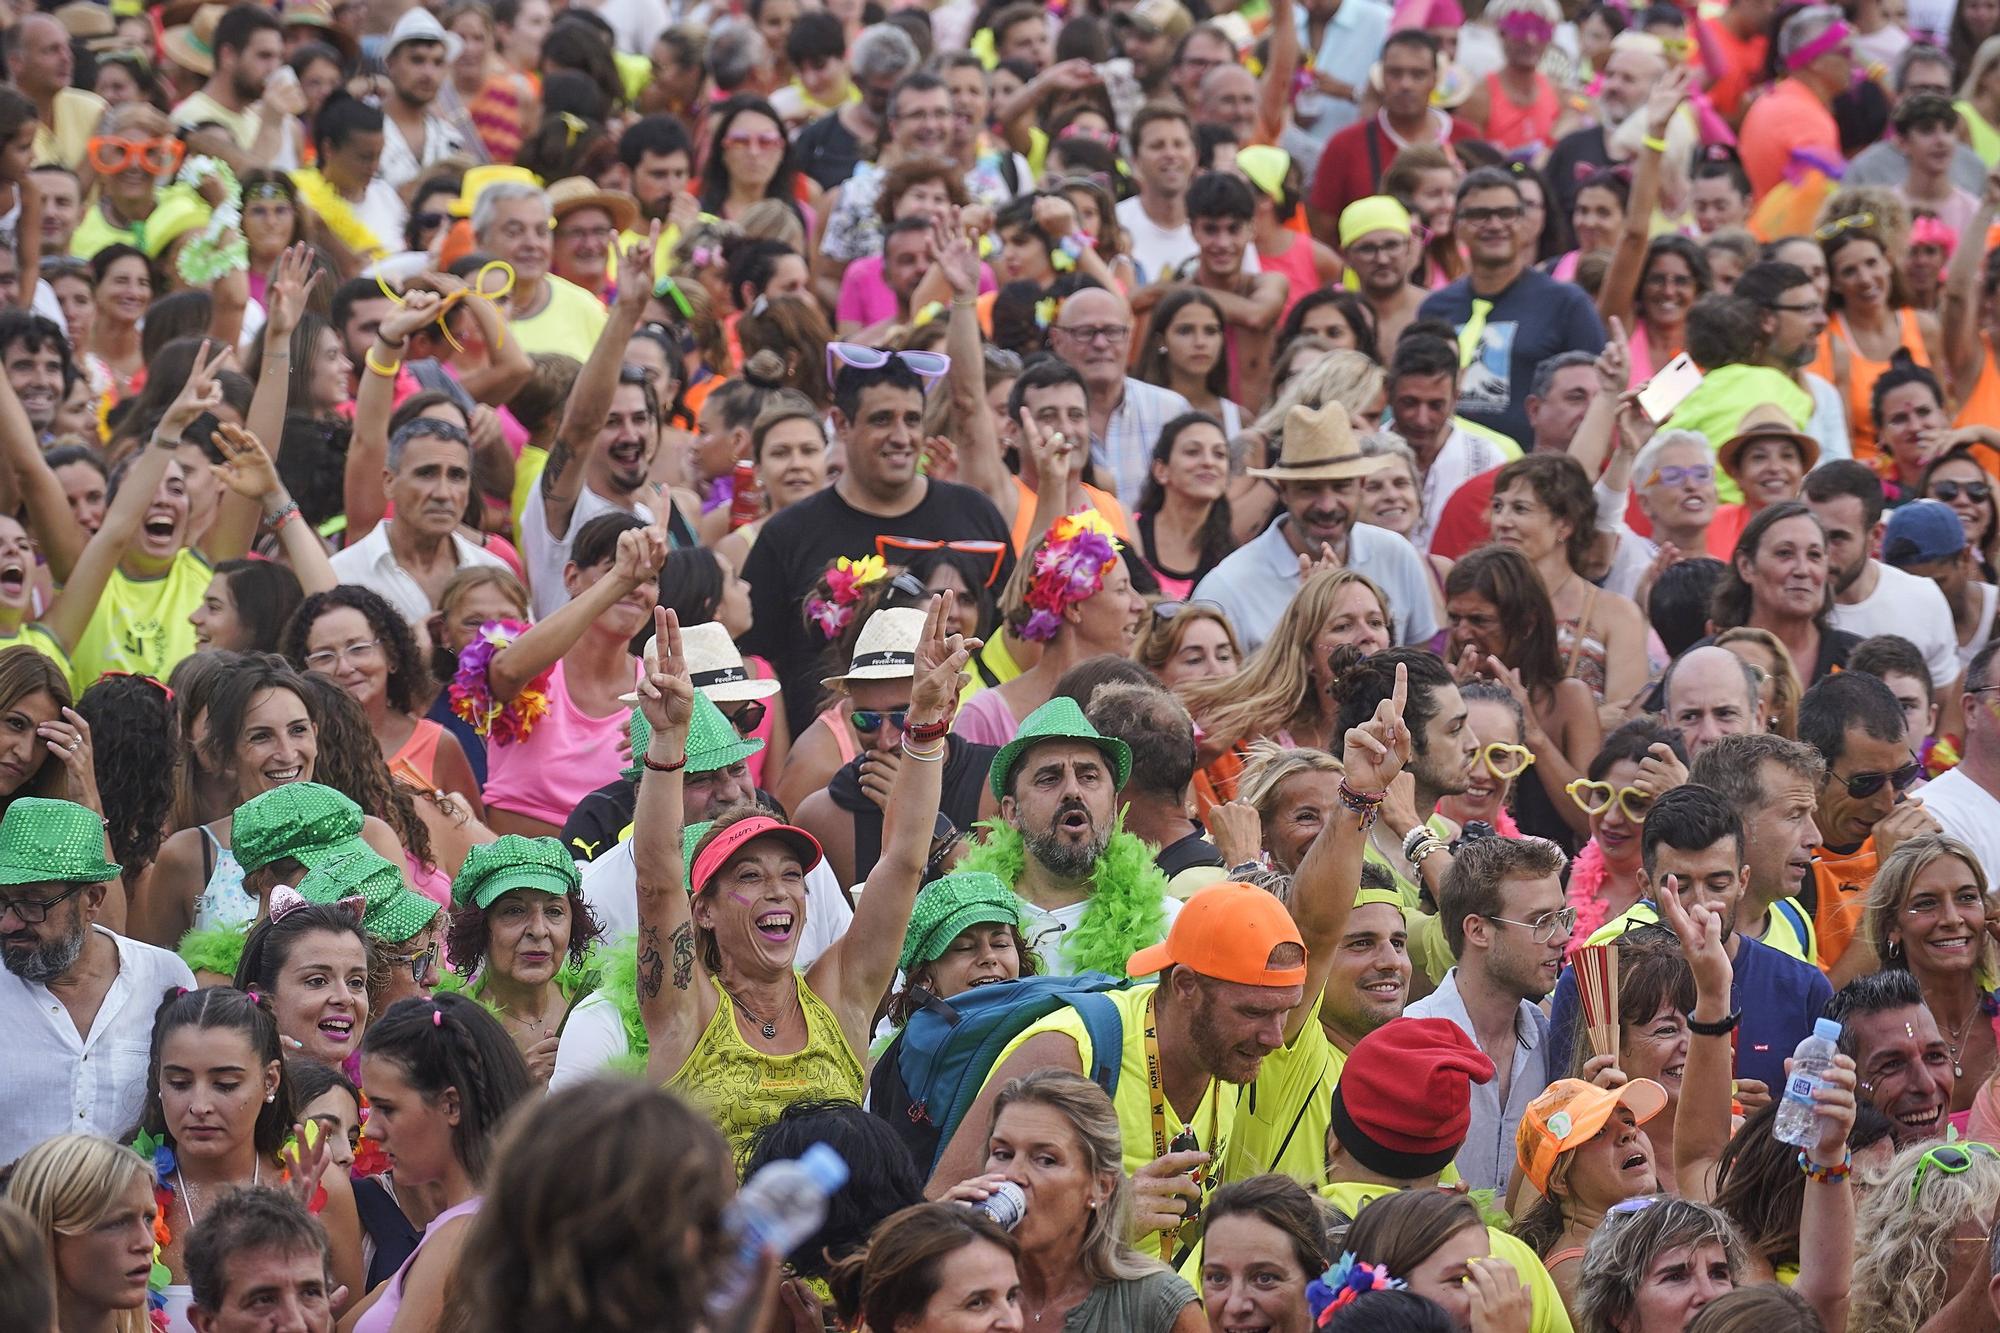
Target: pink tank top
[(382, 1315), (1297, 265), (566, 757), (842, 737), (761, 670)]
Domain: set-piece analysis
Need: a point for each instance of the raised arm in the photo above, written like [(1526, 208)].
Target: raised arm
[(73, 606), (1323, 888), (30, 479), (368, 451), (247, 470), (1281, 66), (507, 365), (855, 972), (676, 1013), (1964, 349), (1591, 445), (979, 462), (1619, 290), (641, 552), (590, 400), (1826, 1223), (292, 281), (1701, 1123)]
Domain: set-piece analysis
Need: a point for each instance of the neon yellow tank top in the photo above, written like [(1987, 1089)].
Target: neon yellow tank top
[(1985, 138), (743, 1089)]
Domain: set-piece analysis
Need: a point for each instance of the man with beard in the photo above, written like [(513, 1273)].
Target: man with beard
[(1240, 981), (413, 553), (1423, 408), (248, 47), (1351, 165), (1507, 923), (1147, 34), (1869, 596), (414, 136), (36, 358), (1637, 62), (1318, 474), (77, 1001), (1380, 248), (612, 421), (1900, 1057)]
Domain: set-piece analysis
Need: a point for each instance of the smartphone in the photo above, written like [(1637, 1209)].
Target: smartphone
[(201, 433), (1669, 388)]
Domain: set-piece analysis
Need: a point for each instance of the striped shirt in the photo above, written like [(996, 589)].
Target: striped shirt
[(1124, 453)]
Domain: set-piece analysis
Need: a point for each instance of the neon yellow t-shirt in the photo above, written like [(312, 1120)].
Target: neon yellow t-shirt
[(1791, 930), (568, 324), (1428, 949), (45, 643), (141, 625), (176, 211), (78, 113), (527, 478), (1282, 1118), (1549, 1316)]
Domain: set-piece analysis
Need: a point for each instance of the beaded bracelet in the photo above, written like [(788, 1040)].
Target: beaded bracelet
[(1826, 1175), (1425, 851), (1366, 804), (647, 760), (284, 515), (923, 733)]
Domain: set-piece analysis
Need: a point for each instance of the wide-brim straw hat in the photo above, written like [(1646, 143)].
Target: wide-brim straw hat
[(191, 45), (1319, 445), (1766, 421), (574, 192)]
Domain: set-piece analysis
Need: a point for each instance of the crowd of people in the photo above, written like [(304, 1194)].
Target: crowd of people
[(1264, 662)]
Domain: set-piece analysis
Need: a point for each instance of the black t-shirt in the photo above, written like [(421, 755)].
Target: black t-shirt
[(1581, 148), (592, 828), (798, 543), (826, 150)]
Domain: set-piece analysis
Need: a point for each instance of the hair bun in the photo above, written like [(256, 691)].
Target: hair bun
[(765, 369)]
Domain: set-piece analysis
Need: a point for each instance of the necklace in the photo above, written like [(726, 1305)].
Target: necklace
[(767, 1026), (187, 1197), (1952, 1042)]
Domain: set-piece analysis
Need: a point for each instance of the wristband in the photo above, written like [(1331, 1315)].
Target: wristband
[(676, 767), (923, 733), (930, 756), (387, 372), (1242, 868), (1722, 1027), (1367, 805), (1414, 838), (396, 346), (1655, 143), (286, 512), (1826, 1175), (1425, 852)]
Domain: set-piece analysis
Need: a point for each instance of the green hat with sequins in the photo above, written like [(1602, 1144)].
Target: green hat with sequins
[(391, 912), (305, 821), (948, 905), (712, 741), (52, 842), (514, 862)]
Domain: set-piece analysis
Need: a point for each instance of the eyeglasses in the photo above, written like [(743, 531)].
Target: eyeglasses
[(763, 141), (1797, 307), (1479, 217), (1863, 785), (418, 963), (1506, 762), (1948, 491), (748, 717), (929, 366), (1698, 473), (34, 911), (1375, 250), (1594, 798), (1950, 1159), (326, 659), (110, 154), (585, 233), (868, 721), (909, 585), (991, 552), (1545, 927), (1090, 333)]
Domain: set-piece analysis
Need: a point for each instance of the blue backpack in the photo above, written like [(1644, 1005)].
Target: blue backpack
[(948, 1047)]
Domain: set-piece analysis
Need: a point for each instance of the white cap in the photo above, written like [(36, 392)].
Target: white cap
[(420, 25)]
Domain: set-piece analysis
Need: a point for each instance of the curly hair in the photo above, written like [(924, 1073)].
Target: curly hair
[(470, 933), (1903, 1270), (409, 675), (350, 761), (135, 740)]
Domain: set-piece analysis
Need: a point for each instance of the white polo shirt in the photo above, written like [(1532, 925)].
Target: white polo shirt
[(369, 563)]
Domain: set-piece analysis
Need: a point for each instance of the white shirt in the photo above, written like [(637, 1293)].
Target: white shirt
[(370, 564), (1255, 582), (1912, 607), (400, 164), (1967, 811), (1463, 456), (56, 1081), (1488, 1154), (383, 211), (1155, 249), (1982, 631), (1045, 929), (545, 554), (594, 1035)]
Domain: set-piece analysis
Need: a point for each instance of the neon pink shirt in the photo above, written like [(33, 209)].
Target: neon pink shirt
[(566, 757)]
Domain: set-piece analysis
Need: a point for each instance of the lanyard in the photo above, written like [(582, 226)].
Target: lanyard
[(1202, 1176)]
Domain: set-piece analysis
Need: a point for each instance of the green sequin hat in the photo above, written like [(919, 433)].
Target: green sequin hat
[(52, 842), (1060, 719), (392, 911), (305, 821), (948, 905), (712, 741), (514, 862)]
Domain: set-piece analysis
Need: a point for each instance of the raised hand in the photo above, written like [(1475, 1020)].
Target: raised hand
[(1614, 363), (246, 467), (1237, 831), (1375, 752), (1699, 929), (305, 1160), (68, 739), (940, 458), (419, 310), (200, 394), (1660, 771), (940, 668), (292, 280), (666, 695), (1055, 215), (954, 253), (1665, 99), (1310, 565), (1048, 451), (1834, 1100), (640, 553), (637, 259)]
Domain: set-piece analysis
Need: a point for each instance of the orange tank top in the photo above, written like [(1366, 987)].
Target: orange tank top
[(1982, 407), (419, 753), (1509, 126), (1103, 501), (1857, 384)]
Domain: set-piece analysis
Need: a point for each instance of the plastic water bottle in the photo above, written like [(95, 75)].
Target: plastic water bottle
[(1798, 1114), (776, 1210), (1006, 1205)]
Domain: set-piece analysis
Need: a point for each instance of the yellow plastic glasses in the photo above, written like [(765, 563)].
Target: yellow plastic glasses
[(1594, 798), (1506, 762)]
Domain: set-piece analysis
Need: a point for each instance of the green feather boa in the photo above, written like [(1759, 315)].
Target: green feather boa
[(216, 950), (1127, 891), (610, 969)]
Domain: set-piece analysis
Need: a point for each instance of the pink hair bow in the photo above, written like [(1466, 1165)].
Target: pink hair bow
[(286, 900)]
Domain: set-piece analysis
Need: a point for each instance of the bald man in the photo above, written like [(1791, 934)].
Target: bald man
[(1712, 693), (1228, 96), (40, 64), (1093, 333)]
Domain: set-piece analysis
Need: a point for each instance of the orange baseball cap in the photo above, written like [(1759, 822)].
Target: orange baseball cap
[(1227, 931), (1569, 1113)]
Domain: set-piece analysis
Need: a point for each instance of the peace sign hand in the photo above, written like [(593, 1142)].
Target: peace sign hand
[(666, 695), (200, 394), (940, 668), (1375, 752)]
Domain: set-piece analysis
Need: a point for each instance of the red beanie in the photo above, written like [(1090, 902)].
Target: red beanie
[(1403, 1105)]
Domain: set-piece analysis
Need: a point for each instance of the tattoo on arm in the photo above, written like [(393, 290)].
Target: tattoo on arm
[(683, 942), (652, 968), (557, 464)]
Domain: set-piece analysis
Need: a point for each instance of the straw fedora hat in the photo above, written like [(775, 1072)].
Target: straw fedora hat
[(318, 15), (574, 192), (1319, 446), (191, 45), (90, 24), (1766, 421), (714, 665)]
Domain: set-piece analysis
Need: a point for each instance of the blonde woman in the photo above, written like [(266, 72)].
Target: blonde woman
[(92, 1201), (1282, 691), (1927, 917), (1393, 498), (1185, 643), (1293, 791), (1912, 1238), (1778, 687), (1345, 377)]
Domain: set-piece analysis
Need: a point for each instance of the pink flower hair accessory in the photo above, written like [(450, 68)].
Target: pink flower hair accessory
[(1070, 566)]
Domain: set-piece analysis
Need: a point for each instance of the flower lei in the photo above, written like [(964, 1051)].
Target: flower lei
[(218, 249), (844, 584), (1070, 566), (472, 695), (338, 215), (1940, 755), (1341, 1284), (1586, 881)]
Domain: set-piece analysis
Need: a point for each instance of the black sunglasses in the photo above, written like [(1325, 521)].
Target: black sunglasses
[(431, 218), (1951, 490), (1863, 785), (748, 717)]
